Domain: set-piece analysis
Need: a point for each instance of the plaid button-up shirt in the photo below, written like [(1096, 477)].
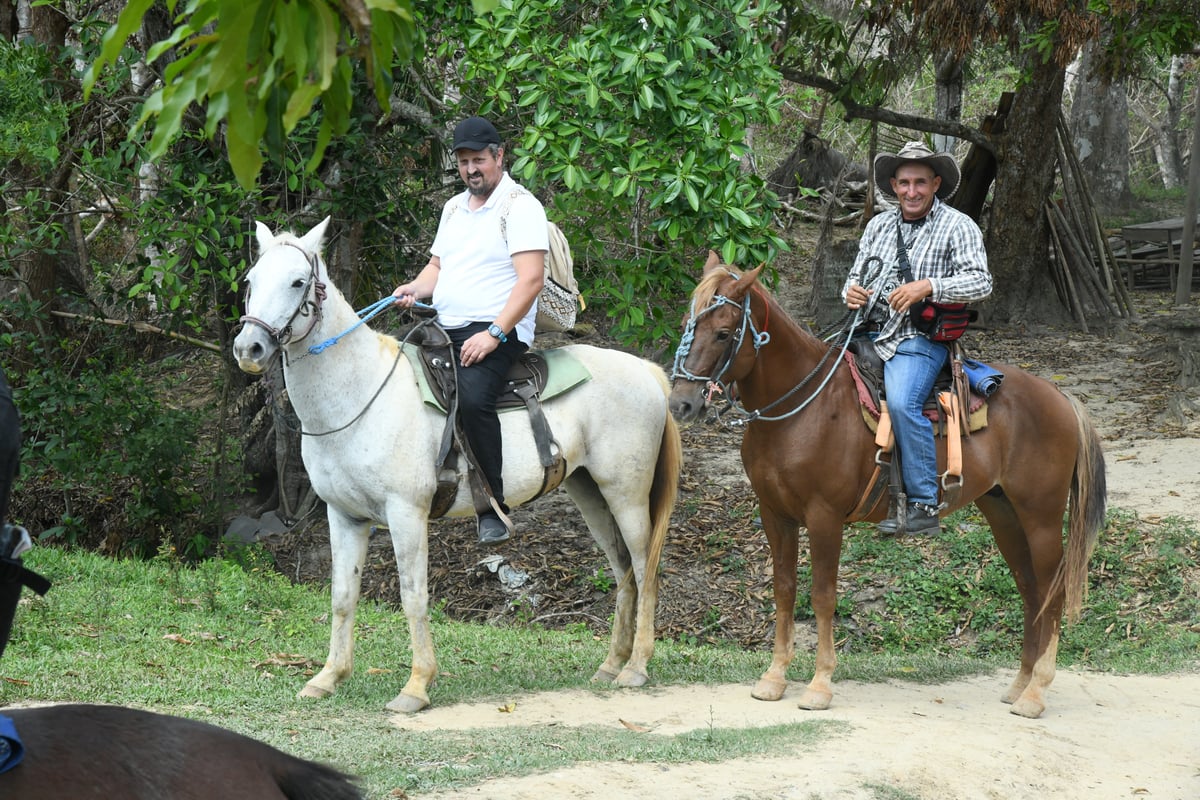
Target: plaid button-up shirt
[(947, 249)]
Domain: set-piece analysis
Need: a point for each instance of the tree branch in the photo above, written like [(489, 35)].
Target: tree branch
[(911, 121)]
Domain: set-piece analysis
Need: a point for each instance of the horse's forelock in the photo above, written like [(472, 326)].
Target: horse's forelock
[(707, 289)]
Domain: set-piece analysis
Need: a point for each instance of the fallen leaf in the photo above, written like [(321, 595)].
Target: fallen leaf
[(633, 726), (507, 708), (175, 637)]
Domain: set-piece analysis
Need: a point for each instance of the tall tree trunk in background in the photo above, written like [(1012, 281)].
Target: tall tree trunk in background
[(1017, 236), (1166, 149), (48, 27), (1100, 130), (948, 100)]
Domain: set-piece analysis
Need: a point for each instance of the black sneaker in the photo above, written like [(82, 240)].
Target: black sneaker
[(491, 529), (921, 520)]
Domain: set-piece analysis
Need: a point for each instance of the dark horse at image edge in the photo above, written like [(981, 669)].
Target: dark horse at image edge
[(106, 752), (810, 456)]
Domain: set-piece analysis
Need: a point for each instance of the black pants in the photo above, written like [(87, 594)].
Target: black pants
[(478, 387)]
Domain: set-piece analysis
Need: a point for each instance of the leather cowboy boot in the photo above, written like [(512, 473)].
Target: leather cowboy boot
[(919, 520)]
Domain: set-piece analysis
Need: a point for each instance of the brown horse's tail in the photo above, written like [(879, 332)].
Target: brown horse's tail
[(1088, 500)]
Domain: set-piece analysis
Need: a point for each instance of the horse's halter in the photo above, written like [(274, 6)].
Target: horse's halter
[(308, 307), (759, 338), (715, 382)]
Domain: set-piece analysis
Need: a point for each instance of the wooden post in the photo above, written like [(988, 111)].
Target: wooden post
[(1183, 283)]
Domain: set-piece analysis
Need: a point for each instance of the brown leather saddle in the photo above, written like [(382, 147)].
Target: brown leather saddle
[(527, 381)]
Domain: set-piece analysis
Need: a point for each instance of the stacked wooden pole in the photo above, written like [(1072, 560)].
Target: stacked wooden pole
[(1084, 268)]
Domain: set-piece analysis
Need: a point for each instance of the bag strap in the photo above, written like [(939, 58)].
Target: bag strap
[(902, 255)]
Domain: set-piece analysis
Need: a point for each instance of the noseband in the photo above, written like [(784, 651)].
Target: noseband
[(308, 307)]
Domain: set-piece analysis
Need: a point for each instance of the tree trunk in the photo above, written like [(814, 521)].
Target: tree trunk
[(948, 100), (1018, 239), (1100, 129), (1167, 150)]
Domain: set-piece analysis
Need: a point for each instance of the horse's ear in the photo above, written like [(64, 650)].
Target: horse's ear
[(311, 241), (747, 280), (264, 236), (713, 262)]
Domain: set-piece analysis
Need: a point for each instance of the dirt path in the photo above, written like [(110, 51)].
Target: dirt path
[(1102, 736)]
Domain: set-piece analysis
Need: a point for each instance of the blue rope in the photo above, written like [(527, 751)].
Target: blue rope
[(366, 314)]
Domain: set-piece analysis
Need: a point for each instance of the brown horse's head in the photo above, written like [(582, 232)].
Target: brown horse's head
[(717, 330)]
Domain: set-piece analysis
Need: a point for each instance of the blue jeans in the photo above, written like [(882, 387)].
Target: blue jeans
[(908, 378)]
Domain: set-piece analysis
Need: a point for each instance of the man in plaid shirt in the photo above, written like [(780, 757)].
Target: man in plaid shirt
[(948, 265)]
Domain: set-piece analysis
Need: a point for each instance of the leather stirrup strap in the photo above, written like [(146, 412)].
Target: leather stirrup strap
[(952, 478), (878, 482)]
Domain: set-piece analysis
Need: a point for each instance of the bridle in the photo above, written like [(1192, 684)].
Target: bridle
[(759, 339), (308, 307)]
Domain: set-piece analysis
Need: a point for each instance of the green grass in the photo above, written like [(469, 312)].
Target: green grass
[(234, 643)]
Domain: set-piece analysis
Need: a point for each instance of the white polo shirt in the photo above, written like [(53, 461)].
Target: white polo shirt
[(477, 274)]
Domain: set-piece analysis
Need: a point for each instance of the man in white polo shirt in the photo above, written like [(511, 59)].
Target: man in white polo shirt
[(484, 274)]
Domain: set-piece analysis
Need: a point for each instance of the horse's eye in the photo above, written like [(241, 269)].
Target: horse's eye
[(296, 284), (723, 335)]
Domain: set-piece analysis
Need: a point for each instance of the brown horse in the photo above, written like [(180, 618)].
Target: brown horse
[(809, 456)]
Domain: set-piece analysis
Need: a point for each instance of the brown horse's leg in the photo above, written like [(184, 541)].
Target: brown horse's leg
[(1033, 559), (784, 541), (826, 548)]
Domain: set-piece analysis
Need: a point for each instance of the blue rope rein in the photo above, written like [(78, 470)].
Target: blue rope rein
[(366, 315)]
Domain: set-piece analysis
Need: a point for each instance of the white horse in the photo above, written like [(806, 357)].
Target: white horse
[(370, 443)]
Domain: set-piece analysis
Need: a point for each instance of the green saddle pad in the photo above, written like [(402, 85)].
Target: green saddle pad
[(563, 372)]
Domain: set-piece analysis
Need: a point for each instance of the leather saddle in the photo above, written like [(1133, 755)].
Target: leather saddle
[(428, 346)]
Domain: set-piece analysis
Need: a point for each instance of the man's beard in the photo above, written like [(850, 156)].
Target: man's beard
[(481, 189)]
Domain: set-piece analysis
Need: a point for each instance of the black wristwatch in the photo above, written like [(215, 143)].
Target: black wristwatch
[(498, 332)]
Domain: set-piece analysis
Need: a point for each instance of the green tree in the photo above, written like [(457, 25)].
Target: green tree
[(634, 119)]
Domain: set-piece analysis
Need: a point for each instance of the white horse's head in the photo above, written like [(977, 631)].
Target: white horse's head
[(284, 292)]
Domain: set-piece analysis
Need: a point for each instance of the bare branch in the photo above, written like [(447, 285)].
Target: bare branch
[(911, 121)]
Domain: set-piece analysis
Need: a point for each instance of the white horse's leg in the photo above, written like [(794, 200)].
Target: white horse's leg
[(622, 531), (410, 542), (348, 548)]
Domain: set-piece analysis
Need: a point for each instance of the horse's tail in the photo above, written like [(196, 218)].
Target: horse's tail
[(1088, 500), (664, 489)]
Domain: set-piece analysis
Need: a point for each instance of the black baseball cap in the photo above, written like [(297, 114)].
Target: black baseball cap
[(475, 133)]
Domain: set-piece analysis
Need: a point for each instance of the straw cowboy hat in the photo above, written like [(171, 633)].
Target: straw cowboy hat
[(943, 166)]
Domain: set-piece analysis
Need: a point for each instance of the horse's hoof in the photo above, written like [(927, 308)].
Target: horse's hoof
[(815, 701), (1030, 709), (604, 676), (631, 678), (768, 690), (407, 704), (314, 692)]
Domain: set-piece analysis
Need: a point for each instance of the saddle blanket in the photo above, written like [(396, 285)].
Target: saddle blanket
[(563, 373)]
